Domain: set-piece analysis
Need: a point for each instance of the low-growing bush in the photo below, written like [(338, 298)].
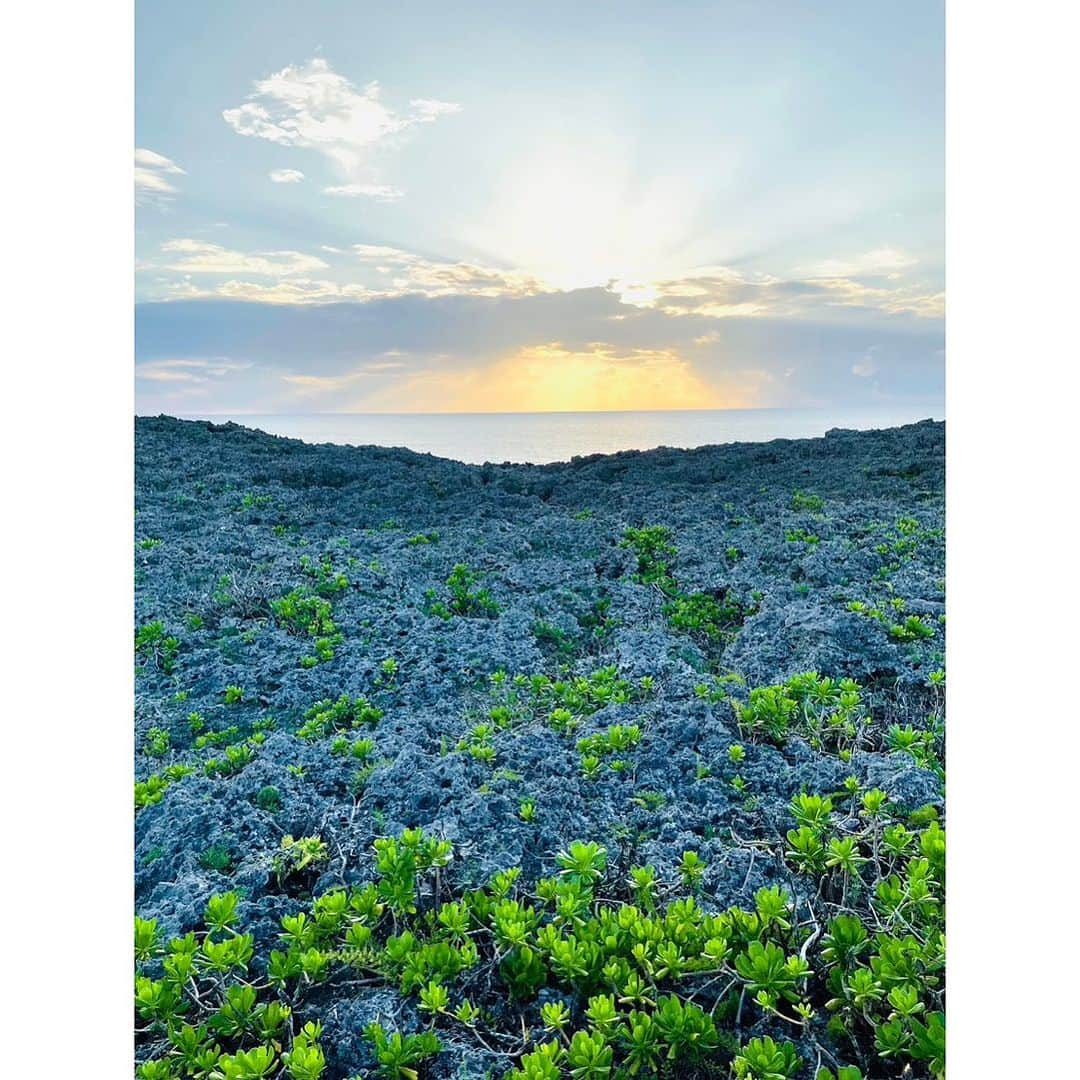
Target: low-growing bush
[(465, 599)]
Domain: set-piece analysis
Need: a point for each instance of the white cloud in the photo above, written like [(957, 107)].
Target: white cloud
[(870, 281), (199, 257), (372, 191), (286, 176), (867, 366), (378, 273), (881, 261), (313, 107), (417, 275), (427, 109), (184, 370), (152, 186), (152, 160)]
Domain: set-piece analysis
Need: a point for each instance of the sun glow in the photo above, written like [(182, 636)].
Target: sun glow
[(580, 216), (550, 378)]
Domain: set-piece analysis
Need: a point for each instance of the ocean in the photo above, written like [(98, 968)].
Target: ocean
[(540, 438)]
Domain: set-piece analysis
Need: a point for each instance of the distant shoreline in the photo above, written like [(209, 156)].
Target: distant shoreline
[(551, 437)]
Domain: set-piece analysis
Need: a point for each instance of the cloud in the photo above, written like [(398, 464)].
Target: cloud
[(152, 172), (382, 192), (197, 257), (286, 176), (884, 260), (325, 356), (427, 109), (405, 273), (367, 273), (185, 370), (872, 281), (322, 384), (867, 366), (375, 272), (313, 107), (153, 160)]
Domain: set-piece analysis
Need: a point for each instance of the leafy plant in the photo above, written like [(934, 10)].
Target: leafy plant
[(807, 501), (465, 599), (764, 1059), (296, 855), (398, 1054), (652, 544), (268, 799), (153, 643)]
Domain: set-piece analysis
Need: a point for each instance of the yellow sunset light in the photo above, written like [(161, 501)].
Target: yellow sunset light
[(550, 378)]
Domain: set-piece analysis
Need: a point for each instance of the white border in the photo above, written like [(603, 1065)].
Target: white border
[(1011, 398), (67, 454)]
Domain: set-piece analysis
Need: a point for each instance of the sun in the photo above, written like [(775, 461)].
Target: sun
[(578, 217)]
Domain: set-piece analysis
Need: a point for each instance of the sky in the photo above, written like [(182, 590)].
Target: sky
[(353, 207)]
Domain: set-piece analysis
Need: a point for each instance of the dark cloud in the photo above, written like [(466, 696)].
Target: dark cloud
[(858, 355)]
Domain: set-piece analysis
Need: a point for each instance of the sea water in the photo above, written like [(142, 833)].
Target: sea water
[(558, 436)]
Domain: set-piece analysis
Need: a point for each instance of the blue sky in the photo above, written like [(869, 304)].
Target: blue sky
[(344, 208)]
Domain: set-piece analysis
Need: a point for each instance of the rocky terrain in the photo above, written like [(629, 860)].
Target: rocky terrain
[(272, 575)]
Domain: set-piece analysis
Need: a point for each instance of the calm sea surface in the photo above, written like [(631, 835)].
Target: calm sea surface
[(544, 437)]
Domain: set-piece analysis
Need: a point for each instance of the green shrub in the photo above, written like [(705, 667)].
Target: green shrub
[(328, 716), (309, 615), (154, 644), (217, 857), (652, 544), (808, 502), (268, 799), (465, 599)]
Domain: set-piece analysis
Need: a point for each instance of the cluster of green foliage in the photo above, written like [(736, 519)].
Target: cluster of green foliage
[(616, 739), (637, 978), (879, 872), (306, 614), (464, 598), (251, 501), (329, 716), (883, 950), (655, 550), (922, 744), (420, 539), (625, 964), (326, 581), (478, 742), (807, 502), (828, 713), (218, 856), (207, 1015), (298, 854), (157, 742), (901, 544), (232, 752), (712, 617), (268, 799), (237, 756), (554, 641), (597, 623), (153, 643), (562, 703), (152, 789), (801, 536), (912, 628)]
